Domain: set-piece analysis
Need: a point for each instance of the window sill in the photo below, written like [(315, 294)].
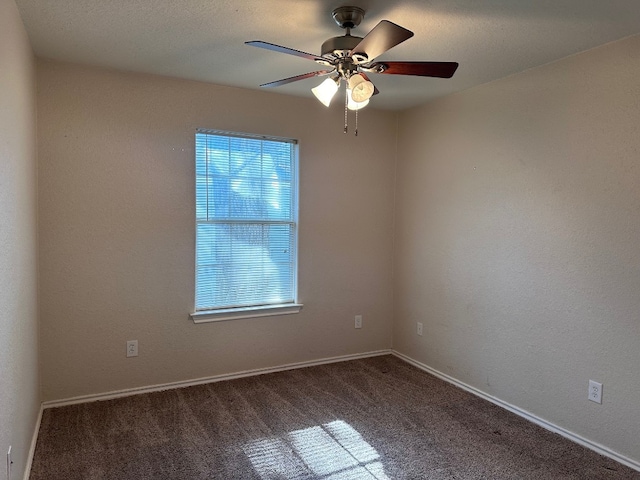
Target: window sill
[(248, 312)]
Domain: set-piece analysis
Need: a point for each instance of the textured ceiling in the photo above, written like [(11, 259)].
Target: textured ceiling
[(204, 40)]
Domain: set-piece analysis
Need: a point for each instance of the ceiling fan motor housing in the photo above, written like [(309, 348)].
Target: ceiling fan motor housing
[(339, 47)]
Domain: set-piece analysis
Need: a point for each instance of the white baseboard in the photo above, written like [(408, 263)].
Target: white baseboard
[(32, 447), (601, 449), (216, 378)]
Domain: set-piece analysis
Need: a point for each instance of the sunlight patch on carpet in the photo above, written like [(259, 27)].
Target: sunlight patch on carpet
[(333, 451)]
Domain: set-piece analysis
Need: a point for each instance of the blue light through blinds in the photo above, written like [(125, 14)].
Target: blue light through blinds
[(246, 228)]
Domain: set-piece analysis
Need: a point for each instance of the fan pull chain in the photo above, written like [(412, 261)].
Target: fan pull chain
[(356, 123), (346, 99)]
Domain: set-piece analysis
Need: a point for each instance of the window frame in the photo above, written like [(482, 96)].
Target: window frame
[(251, 311)]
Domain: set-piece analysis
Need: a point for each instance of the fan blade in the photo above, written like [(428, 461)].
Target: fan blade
[(375, 89), (422, 69), (277, 48), (284, 81), (384, 36)]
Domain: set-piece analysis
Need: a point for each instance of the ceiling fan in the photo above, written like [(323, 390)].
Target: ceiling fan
[(351, 58)]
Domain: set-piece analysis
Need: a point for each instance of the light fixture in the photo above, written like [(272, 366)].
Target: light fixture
[(361, 88), (326, 90), (358, 91), (352, 104)]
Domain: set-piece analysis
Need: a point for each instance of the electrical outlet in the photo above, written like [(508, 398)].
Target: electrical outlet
[(419, 329), (595, 391), (9, 463), (132, 348), (358, 321)]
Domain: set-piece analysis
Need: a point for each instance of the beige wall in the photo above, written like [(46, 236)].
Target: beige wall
[(518, 240), (515, 242), (117, 224), (19, 396)]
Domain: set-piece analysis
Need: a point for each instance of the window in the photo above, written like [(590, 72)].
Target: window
[(246, 226)]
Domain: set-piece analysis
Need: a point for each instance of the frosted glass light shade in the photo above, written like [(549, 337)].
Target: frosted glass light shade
[(361, 89), (325, 91), (353, 105)]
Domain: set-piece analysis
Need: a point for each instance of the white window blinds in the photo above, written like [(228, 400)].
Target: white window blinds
[(246, 214)]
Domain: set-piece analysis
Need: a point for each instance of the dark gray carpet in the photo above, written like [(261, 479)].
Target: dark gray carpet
[(371, 419)]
